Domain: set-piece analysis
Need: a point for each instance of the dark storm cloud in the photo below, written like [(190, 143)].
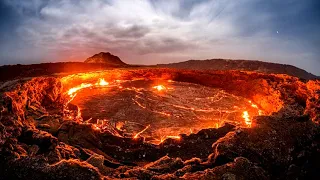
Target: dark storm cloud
[(8, 19), (292, 18), (148, 31), (11, 48)]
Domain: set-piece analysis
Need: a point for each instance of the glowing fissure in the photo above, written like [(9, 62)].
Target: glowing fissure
[(72, 91), (202, 110), (137, 135), (139, 104)]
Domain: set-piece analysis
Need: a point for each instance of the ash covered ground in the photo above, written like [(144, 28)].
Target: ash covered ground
[(38, 141)]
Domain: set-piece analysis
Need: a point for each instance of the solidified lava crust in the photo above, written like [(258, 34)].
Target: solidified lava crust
[(38, 140)]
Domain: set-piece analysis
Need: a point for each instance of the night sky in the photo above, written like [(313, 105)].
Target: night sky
[(161, 31)]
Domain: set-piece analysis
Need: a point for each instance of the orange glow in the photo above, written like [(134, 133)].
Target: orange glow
[(246, 118), (137, 135), (139, 104), (169, 137), (119, 125), (173, 137), (159, 87), (217, 125), (138, 100), (75, 89), (72, 91), (260, 112), (102, 82), (95, 127), (162, 113)]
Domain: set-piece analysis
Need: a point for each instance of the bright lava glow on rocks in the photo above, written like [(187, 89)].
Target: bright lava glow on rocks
[(102, 82), (159, 87), (247, 119)]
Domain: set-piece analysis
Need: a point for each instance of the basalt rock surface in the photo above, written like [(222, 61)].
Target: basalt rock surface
[(38, 142)]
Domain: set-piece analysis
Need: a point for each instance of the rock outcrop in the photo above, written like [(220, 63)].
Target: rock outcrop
[(105, 58)]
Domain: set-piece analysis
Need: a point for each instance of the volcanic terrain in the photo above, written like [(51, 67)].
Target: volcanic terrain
[(116, 121)]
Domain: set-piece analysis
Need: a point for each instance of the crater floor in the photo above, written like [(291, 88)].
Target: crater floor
[(161, 109)]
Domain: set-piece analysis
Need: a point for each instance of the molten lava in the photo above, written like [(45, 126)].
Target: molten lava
[(256, 107), (102, 82), (72, 91), (75, 89), (246, 118), (119, 125), (137, 135), (183, 108), (159, 87)]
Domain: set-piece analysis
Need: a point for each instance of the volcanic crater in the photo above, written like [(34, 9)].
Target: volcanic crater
[(161, 108), (157, 123)]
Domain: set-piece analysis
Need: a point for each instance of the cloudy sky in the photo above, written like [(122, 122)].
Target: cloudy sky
[(161, 31)]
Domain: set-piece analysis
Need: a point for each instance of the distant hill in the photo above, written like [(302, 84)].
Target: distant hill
[(246, 65), (9, 72), (99, 61), (103, 61), (105, 58)]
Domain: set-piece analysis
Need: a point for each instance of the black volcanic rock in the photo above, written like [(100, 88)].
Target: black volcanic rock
[(105, 58), (243, 65)]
